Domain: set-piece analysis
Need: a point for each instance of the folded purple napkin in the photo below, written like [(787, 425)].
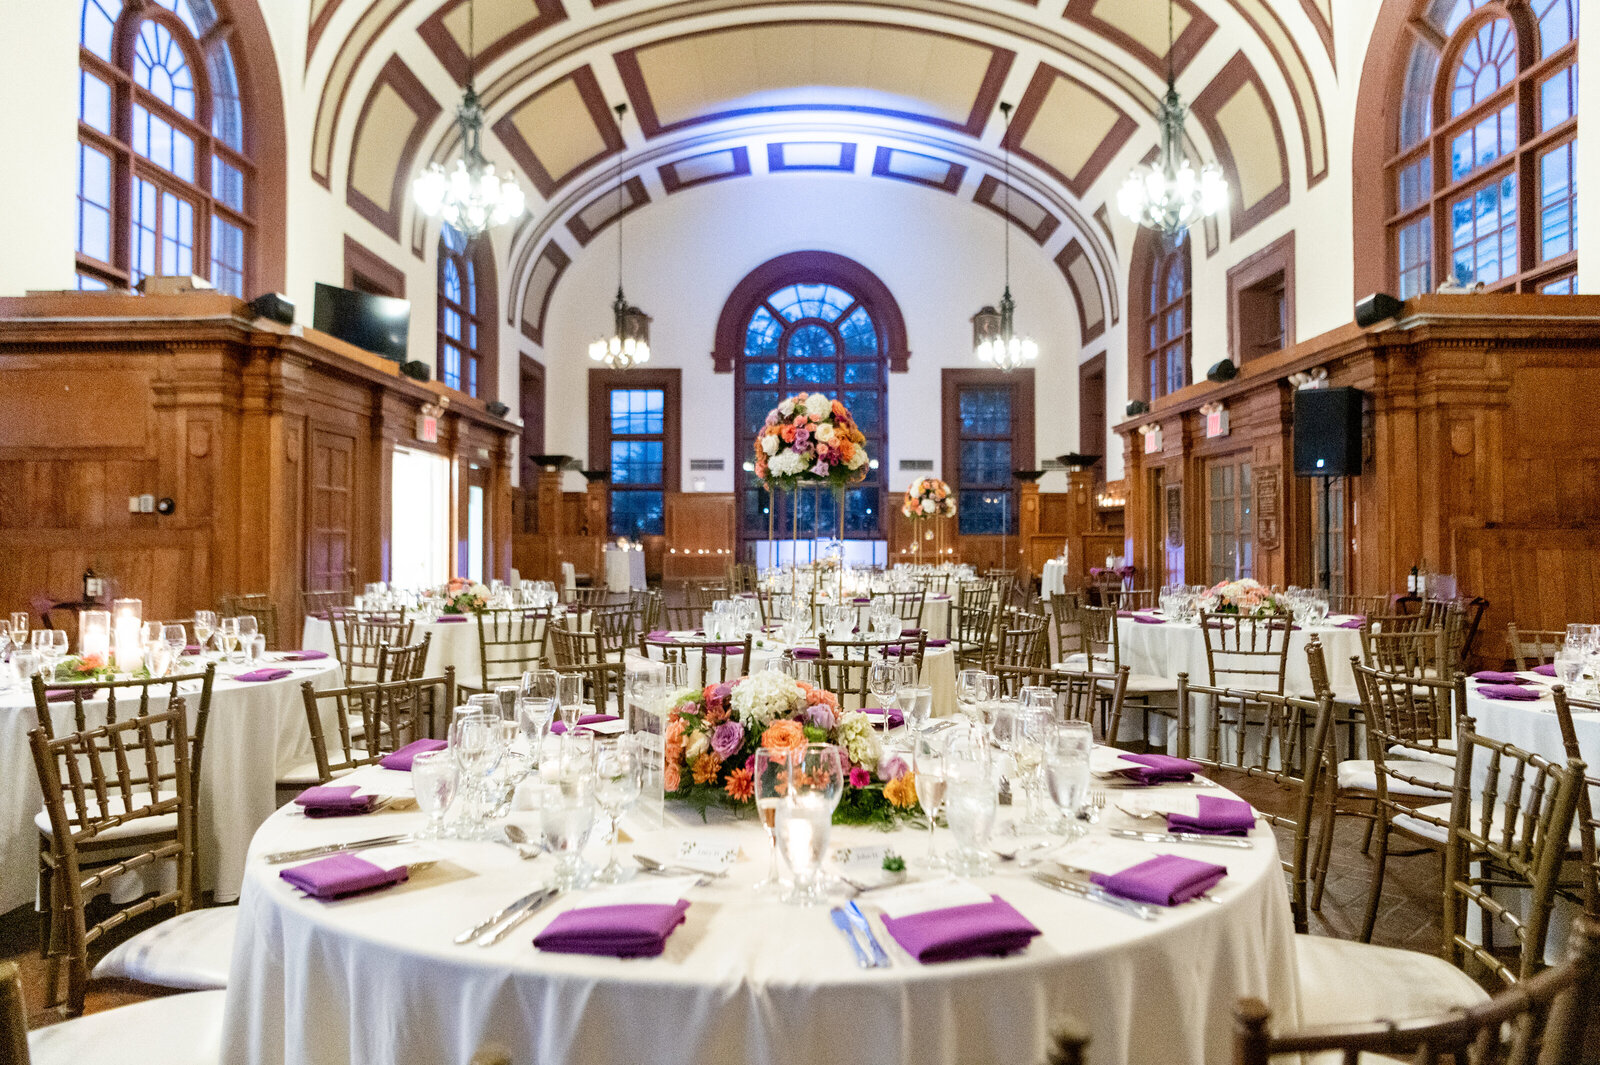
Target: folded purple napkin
[(805, 652), (941, 596), (725, 649), (1491, 676), (911, 632), (1545, 670), (1353, 623), (339, 875), (1158, 768), (938, 643), (334, 801), (264, 674), (403, 758), (985, 928), (445, 619), (191, 648), (305, 656), (860, 599), (893, 717), (638, 930), (1146, 619), (63, 695), (1216, 817), (1164, 880), (559, 727), (1513, 692), (658, 635)]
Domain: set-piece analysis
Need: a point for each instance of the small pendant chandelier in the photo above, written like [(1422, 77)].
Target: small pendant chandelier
[(471, 197), (629, 342), (995, 342), (1167, 195)]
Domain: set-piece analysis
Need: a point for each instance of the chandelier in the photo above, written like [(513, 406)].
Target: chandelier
[(471, 197), (1168, 195), (629, 342), (995, 341)]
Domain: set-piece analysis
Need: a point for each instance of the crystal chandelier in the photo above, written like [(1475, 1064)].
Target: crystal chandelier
[(995, 342), (471, 197), (1168, 195), (629, 342)]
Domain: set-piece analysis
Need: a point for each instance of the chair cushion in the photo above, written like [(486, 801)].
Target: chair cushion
[(190, 951), (160, 825), (1362, 775), (1344, 982), (175, 1030), (1444, 752), (305, 775), (1441, 810)]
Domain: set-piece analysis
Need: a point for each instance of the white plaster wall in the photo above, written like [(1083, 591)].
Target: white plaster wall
[(38, 175)]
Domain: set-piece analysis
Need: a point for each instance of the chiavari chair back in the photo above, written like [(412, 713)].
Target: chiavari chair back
[(934, 583), (974, 634), (1246, 652), (259, 606), (683, 618), (718, 660), (617, 629), (406, 662), (511, 642), (1542, 1020), (1587, 818), (571, 648), (359, 638), (604, 685), (742, 577), (908, 606), (1103, 589), (1414, 651), (1066, 628), (903, 648), (1020, 641), (118, 798), (701, 594), (1533, 647), (598, 595), (323, 604), (1095, 698), (1349, 603), (646, 606), (369, 722), (1131, 598)]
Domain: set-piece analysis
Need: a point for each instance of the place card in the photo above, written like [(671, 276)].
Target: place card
[(608, 728), (384, 783), (858, 857), (709, 857), (1158, 801), (641, 891), (1096, 854), (926, 895), (1109, 760)]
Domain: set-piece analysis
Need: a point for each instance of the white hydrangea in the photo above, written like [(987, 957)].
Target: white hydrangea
[(786, 408), (762, 697), (818, 405), (787, 463), (858, 460), (860, 740), (769, 443), (928, 506)]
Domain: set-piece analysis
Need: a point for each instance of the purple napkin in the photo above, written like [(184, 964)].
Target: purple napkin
[(1546, 670), (445, 619), (725, 649), (1164, 880), (1125, 614), (304, 656), (63, 695), (941, 596), (1491, 676), (559, 727), (339, 875), (806, 652), (334, 801), (985, 928), (659, 636), (403, 758), (1353, 623), (937, 643), (860, 600), (1146, 619), (1159, 768), (264, 674), (1217, 817), (639, 930), (191, 648), (1514, 692), (893, 717), (911, 632)]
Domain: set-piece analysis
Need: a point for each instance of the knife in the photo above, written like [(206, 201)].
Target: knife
[(499, 915), (333, 848), (1183, 837), (859, 919), (542, 899), (841, 920), (1095, 893)]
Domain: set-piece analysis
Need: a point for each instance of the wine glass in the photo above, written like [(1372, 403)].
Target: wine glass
[(972, 805), (150, 631), (24, 664), (434, 778), (19, 628), (805, 817), (176, 638), (477, 741), (205, 623), (228, 637), (569, 697), (247, 630), (1066, 771), (616, 771), (967, 691), (1040, 697), (5, 638), (881, 678), (506, 698), (927, 761), (916, 703), (533, 718), (771, 780), (567, 807)]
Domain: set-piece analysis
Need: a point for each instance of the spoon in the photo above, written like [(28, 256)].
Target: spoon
[(526, 846), (653, 866)]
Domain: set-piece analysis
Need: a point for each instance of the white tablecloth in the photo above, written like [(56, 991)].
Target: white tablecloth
[(1530, 725), (624, 570), (1177, 647), (1053, 581), (376, 979), (935, 616), (454, 643), (256, 730)]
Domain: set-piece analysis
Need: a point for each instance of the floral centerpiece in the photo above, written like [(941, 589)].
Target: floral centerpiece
[(465, 597), (77, 668), (713, 735), (1248, 597), (928, 497), (810, 439)]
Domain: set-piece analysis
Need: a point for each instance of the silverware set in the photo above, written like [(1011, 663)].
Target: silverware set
[(500, 924), (853, 924), (1096, 893), (280, 857)]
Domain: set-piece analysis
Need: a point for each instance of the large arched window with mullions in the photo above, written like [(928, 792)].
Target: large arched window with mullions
[(165, 178), (1482, 187)]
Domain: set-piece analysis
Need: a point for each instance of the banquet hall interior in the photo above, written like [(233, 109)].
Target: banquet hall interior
[(949, 531)]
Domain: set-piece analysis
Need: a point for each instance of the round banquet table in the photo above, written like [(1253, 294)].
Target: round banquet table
[(257, 729), (376, 979), (1053, 579), (1173, 647), (454, 643)]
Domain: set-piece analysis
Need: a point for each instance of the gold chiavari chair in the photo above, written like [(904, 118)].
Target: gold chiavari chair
[(683, 618), (604, 686), (359, 639), (616, 628), (1246, 652), (1065, 628), (646, 606), (1020, 641), (409, 663), (702, 594), (323, 604), (571, 648), (972, 635), (718, 660), (259, 606), (1346, 603), (1099, 649), (908, 606), (908, 649), (1132, 599), (1415, 652), (1587, 818), (595, 596), (933, 583), (510, 642), (1095, 698), (369, 721), (1533, 647)]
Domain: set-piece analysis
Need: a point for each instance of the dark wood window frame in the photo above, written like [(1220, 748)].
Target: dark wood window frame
[(1021, 382), (1254, 286), (1151, 264), (670, 381)]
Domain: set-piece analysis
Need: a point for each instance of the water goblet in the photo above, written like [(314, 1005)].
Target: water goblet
[(881, 678), (205, 623), (771, 770), (972, 804), (567, 809), (24, 664), (19, 628), (150, 631), (176, 639), (617, 784), (228, 637), (967, 690), (247, 629), (506, 697), (477, 742), (569, 697), (5, 639), (434, 778), (534, 713), (927, 762), (805, 817), (1066, 760), (916, 703)]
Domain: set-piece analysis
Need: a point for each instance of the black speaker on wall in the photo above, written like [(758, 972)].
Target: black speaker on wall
[(1376, 308), (1327, 432)]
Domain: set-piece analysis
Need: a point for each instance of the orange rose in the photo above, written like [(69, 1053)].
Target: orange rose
[(669, 777), (839, 411), (706, 768), (784, 736), (788, 434)]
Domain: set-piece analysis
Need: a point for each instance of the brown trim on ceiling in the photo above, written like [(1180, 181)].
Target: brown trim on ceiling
[(1102, 215), (1184, 49), (1313, 175), (382, 276), (1064, 259), (559, 259), (988, 94), (1323, 23), (777, 157), (1231, 79), (952, 178), (318, 24), (398, 76), (740, 157), (670, 381), (481, 251), (985, 196), (638, 196), (453, 59), (1028, 110), (1279, 255), (594, 102), (324, 175), (1378, 99), (810, 266), (1021, 383)]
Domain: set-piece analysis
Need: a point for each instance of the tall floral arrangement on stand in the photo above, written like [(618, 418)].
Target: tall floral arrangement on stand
[(927, 498), (809, 439)]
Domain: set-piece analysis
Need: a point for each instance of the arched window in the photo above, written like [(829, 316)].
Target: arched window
[(1159, 353), (458, 313), (165, 184), (1483, 188)]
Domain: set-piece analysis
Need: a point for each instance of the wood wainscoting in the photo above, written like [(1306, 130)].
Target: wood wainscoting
[(274, 444)]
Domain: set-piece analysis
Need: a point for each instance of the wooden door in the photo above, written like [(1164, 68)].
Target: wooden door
[(531, 401), (1230, 520), (330, 519)]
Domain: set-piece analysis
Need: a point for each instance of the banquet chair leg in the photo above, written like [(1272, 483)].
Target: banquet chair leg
[(1324, 852), (1376, 893), (1366, 840)]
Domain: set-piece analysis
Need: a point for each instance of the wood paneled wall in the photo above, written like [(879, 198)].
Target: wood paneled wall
[(702, 534), (275, 444)]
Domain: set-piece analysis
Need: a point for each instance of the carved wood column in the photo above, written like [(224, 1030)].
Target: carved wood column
[(1027, 528)]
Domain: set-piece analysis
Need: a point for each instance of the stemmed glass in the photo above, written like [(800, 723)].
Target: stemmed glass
[(567, 807), (477, 742), (533, 717), (927, 758), (1066, 771), (569, 697), (771, 781), (881, 682), (5, 639), (616, 770), (205, 623), (176, 639), (24, 664), (228, 636), (967, 691), (973, 804), (434, 778), (19, 628), (247, 634), (805, 817), (916, 703)]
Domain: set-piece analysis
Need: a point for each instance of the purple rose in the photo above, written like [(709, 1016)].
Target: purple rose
[(802, 437), (726, 738), (820, 469), (892, 768), (859, 778), (820, 716)]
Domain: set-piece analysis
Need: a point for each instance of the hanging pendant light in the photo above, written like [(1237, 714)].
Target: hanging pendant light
[(1168, 195), (629, 342), (471, 197), (995, 341)]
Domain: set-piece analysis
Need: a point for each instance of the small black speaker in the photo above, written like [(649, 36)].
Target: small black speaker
[(1327, 432), (1226, 370), (1375, 308), (274, 305)]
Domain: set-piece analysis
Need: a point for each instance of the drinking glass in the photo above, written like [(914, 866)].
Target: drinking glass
[(567, 808), (967, 690), (927, 761), (5, 638), (151, 631), (500, 787), (1569, 668), (881, 677), (477, 742), (533, 718), (1032, 737), (569, 697), (506, 696), (19, 628), (205, 623), (247, 630), (228, 636), (157, 658), (434, 777), (916, 703), (616, 771), (24, 664), (972, 804), (487, 702), (51, 647), (771, 781), (176, 639), (541, 683), (1040, 697), (1066, 760), (805, 817)]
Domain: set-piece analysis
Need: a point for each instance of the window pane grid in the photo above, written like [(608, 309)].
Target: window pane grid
[(458, 324), (1558, 202)]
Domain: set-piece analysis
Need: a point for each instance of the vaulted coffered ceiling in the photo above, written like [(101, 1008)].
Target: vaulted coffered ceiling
[(882, 90)]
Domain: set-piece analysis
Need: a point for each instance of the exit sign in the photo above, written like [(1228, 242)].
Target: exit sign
[(427, 428), (1216, 423)]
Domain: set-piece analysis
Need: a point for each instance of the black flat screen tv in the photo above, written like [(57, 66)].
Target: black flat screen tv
[(379, 324)]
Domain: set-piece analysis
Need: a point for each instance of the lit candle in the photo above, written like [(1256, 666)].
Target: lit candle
[(129, 643), (94, 635)]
